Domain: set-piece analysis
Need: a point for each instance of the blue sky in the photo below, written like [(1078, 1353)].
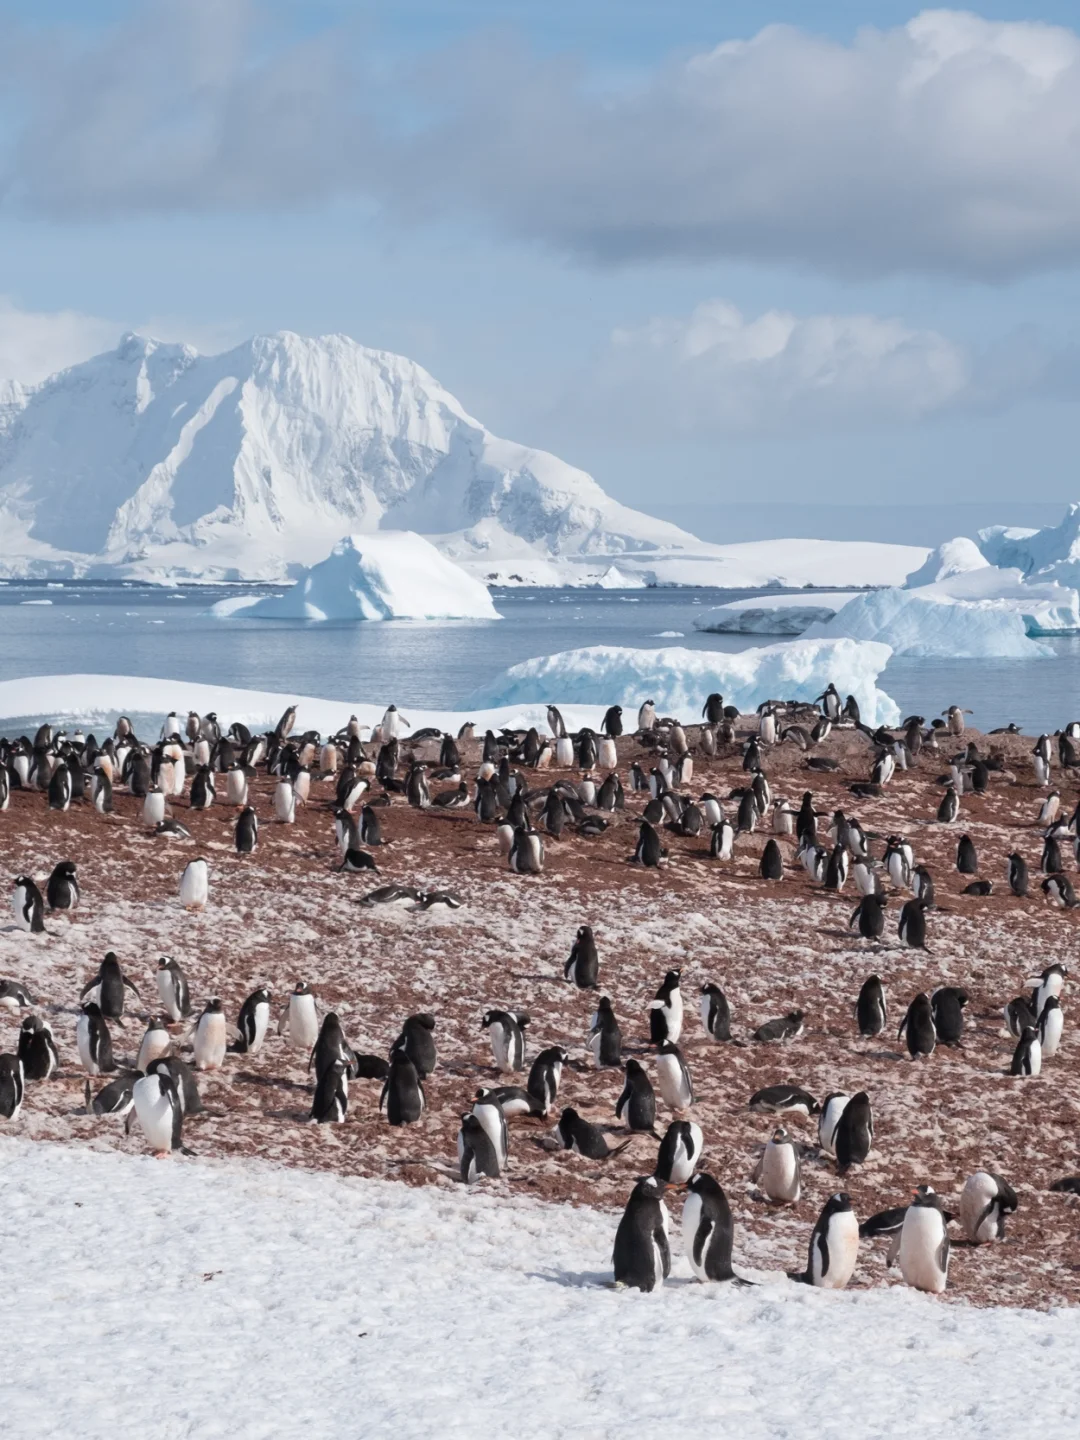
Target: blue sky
[(834, 263)]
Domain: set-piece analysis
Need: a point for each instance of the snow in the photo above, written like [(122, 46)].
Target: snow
[(252, 1301), (679, 679), (390, 575), (771, 615), (954, 557)]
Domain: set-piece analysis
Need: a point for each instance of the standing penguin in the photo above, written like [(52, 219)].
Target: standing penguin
[(870, 1009), (506, 1032), (680, 1150), (673, 1075), (583, 966), (62, 890), (111, 982), (37, 1049), (246, 833), (476, 1154), (918, 1022), (173, 989), (832, 1108), (94, 1041), (210, 1039), (870, 914), (330, 1046), (418, 1041), (402, 1095), (28, 906), (488, 1109), (1051, 1024), (1017, 871), (636, 1106), (605, 1037), (642, 1257), (666, 1010), (947, 1007), (715, 1013), (771, 865), (195, 884), (834, 1246), (854, 1133), (707, 1229), (253, 1021), (912, 926), (300, 1019), (1027, 1057), (778, 1173), (331, 1101), (967, 861), (648, 852), (157, 1109), (984, 1202), (11, 1087), (155, 1044), (546, 1076), (922, 1244)]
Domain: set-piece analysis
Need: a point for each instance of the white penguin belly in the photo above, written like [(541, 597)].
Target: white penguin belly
[(780, 1177), (303, 1022), (842, 1238), (920, 1240), (209, 1042), (154, 1113)]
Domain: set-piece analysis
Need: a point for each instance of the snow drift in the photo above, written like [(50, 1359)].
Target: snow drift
[(391, 575), (771, 615), (679, 680)]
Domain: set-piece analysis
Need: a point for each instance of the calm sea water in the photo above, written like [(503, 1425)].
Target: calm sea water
[(112, 628)]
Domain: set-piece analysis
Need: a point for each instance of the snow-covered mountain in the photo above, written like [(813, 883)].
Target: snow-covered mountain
[(157, 461)]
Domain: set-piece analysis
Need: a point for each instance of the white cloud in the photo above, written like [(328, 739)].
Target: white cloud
[(34, 344)]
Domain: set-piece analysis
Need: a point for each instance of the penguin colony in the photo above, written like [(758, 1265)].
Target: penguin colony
[(716, 809)]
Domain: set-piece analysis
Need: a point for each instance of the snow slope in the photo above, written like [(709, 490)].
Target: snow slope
[(391, 575), (771, 615), (155, 462), (251, 1301), (679, 680)]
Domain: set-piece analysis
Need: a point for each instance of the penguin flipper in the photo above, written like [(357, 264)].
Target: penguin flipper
[(799, 1276), (131, 985)]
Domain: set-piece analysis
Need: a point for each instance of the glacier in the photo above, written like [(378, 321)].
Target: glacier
[(679, 680), (771, 614), (389, 575)]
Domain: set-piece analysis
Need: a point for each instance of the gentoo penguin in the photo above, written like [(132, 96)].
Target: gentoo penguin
[(157, 1109), (11, 1086), (834, 1246), (611, 725), (110, 982), (912, 926), (236, 785), (922, 885), (947, 1005), (476, 1154), (870, 1009), (1027, 1057), (832, 1108), (330, 1104), (60, 788), (715, 1013), (253, 1021), (115, 1098), (210, 1040), (489, 1112), (771, 865), (28, 906), (673, 1077), (527, 851), (707, 1229), (722, 842), (102, 796), (14, 997), (299, 1019), (173, 989), (93, 1041), (155, 1044), (583, 966), (284, 802), (37, 1049), (870, 914), (648, 851), (642, 1257), (1018, 1016), (967, 861), (666, 1010), (330, 1045), (949, 807), (183, 1077), (984, 1202), (576, 1133), (546, 1075), (246, 833), (646, 719), (1051, 1024), (1017, 872), (680, 1151), (417, 1039), (922, 1244), (512, 1100), (919, 1024), (62, 890), (153, 810), (203, 789), (854, 1133), (1050, 982), (636, 1106), (195, 885), (789, 1027), (506, 1032), (775, 1098), (403, 1092), (778, 1174), (286, 723)]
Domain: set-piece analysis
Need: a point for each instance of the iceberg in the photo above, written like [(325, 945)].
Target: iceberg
[(679, 679), (389, 575), (1052, 553), (772, 614), (955, 557)]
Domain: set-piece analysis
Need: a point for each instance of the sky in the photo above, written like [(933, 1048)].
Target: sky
[(720, 255)]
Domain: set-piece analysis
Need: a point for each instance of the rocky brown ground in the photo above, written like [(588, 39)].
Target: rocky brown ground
[(286, 913)]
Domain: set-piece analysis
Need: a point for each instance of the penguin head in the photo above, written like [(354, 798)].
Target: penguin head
[(301, 988), (423, 1021), (213, 1006)]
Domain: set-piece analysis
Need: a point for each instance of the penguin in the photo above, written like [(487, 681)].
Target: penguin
[(1018, 1016), (949, 808), (715, 1013), (778, 1174), (60, 788), (605, 1037), (834, 1246), (984, 1202), (111, 982), (579, 1135), (246, 832), (673, 1076), (37, 1049), (155, 1043), (922, 1245), (209, 1043), (370, 829), (203, 789), (1027, 1057), (102, 793), (527, 851), (646, 719), (287, 721), (115, 1098), (946, 1005), (402, 1096), (300, 1020), (666, 1010), (870, 1009), (648, 851), (642, 1256), (583, 966), (356, 861), (832, 1108), (157, 1109), (14, 997), (912, 926), (28, 906), (722, 843), (153, 810), (1017, 872), (236, 785), (330, 1104), (854, 1133), (330, 1045), (183, 1077), (173, 989), (636, 1106), (918, 1022), (93, 1041), (512, 1100), (506, 1032), (771, 865), (708, 1229), (1050, 982), (775, 1098), (546, 1076), (253, 1022), (417, 1040), (789, 1027), (680, 1151), (870, 914), (11, 1087), (62, 890), (476, 1154), (489, 1111), (922, 885), (195, 885), (1051, 1024), (1050, 862)]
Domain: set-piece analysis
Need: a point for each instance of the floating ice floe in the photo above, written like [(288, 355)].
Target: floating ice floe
[(389, 575), (679, 679), (772, 614)]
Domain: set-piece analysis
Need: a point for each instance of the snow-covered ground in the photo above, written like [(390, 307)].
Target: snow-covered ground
[(186, 1298), (772, 614)]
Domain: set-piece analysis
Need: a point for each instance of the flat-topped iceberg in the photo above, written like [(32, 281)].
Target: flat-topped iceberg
[(389, 575), (771, 614), (679, 680)]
